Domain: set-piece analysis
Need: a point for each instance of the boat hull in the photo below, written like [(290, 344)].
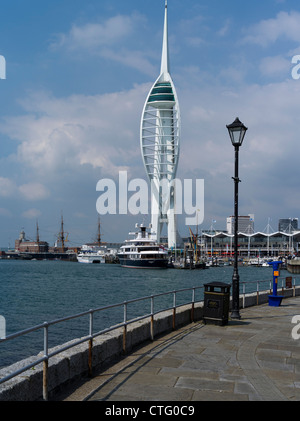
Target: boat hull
[(89, 259), (143, 263)]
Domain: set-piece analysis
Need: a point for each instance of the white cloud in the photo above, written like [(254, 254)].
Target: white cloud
[(275, 66), (31, 213), (109, 40), (286, 25), (225, 28), (194, 41), (34, 191), (5, 212), (134, 59), (29, 191), (7, 187), (91, 36), (268, 157), (59, 134)]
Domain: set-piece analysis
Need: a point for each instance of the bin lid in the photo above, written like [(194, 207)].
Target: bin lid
[(218, 284)]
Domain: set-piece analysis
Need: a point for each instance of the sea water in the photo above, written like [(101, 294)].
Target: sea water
[(34, 292)]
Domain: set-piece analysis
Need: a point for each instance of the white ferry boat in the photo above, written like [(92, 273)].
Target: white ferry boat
[(143, 251), (92, 254)]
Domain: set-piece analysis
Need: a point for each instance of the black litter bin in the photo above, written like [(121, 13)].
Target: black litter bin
[(216, 303)]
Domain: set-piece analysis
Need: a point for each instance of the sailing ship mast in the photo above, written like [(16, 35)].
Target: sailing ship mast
[(37, 237), (99, 233), (61, 236)]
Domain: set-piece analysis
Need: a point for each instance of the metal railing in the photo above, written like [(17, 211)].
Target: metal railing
[(270, 282), (92, 335)]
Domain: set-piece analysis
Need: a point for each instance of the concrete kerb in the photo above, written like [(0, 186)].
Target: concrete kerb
[(71, 365)]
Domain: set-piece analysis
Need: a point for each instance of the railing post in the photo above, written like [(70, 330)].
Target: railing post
[(125, 327), (244, 294), (174, 310), (193, 306), (45, 363), (90, 361), (257, 293), (152, 319)]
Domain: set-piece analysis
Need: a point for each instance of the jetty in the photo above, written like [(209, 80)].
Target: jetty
[(254, 359), (173, 356)]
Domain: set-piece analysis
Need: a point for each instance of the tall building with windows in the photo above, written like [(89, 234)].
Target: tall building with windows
[(245, 224), (159, 139), (288, 225)]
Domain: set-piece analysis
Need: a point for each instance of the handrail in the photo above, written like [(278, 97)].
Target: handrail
[(92, 335)]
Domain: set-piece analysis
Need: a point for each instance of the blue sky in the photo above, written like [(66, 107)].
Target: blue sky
[(78, 74)]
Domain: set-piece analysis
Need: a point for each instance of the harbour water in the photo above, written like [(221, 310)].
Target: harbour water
[(32, 292)]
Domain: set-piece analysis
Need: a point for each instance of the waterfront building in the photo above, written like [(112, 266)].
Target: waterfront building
[(258, 244), (245, 224), (288, 225), (22, 245), (160, 139)]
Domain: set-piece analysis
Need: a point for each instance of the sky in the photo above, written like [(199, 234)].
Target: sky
[(78, 74)]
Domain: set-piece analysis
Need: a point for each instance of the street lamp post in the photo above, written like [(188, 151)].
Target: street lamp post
[(237, 132)]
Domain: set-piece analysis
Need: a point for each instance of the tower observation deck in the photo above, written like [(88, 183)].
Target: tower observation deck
[(160, 144)]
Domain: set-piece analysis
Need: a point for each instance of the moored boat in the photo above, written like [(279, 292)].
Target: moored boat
[(143, 251), (93, 254)]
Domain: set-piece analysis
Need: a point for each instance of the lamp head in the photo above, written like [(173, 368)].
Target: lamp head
[(237, 132)]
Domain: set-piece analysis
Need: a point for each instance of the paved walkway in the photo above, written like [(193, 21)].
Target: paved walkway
[(253, 359)]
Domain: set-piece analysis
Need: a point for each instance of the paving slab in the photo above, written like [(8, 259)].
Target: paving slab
[(254, 359)]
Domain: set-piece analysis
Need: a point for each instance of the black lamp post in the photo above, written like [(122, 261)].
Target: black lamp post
[(237, 132)]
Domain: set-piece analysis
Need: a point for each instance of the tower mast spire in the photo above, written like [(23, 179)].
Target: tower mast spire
[(165, 63), (160, 145)]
